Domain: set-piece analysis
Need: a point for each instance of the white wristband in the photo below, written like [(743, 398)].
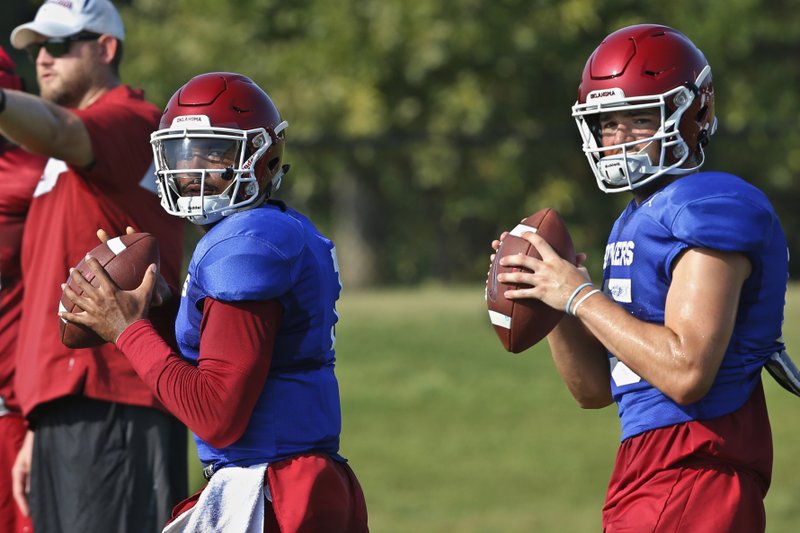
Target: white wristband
[(583, 299), (578, 289)]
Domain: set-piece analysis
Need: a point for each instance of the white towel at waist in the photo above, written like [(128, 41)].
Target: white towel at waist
[(232, 502)]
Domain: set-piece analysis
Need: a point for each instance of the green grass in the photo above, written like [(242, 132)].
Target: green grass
[(449, 433)]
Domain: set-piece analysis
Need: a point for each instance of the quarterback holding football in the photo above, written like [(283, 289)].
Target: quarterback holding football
[(255, 378), (690, 306)]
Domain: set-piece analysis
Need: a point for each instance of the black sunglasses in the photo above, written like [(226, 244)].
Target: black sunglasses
[(59, 46)]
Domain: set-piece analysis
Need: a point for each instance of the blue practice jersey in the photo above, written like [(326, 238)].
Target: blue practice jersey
[(273, 252), (710, 210)]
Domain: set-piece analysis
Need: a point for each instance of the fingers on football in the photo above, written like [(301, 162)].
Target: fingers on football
[(148, 284), (542, 246), (79, 280), (516, 278), (521, 293), (82, 301), (79, 317), (99, 272), (520, 260), (103, 235)]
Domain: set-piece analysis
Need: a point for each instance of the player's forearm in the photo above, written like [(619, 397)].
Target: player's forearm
[(682, 356), (235, 356), (582, 363), (45, 128), (654, 352), (202, 397)]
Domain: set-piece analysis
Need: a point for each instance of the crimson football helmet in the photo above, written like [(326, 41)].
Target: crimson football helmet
[(646, 66), (219, 124)]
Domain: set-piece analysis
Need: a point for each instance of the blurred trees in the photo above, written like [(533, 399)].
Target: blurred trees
[(13, 13), (419, 129)]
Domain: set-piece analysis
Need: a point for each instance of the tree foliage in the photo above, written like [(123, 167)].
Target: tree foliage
[(419, 129)]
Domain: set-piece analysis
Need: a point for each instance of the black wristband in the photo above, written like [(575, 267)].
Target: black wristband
[(2, 100)]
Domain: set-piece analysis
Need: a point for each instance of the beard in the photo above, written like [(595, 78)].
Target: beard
[(66, 91)]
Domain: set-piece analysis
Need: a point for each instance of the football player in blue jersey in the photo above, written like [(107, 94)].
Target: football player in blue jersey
[(691, 302), (255, 378)]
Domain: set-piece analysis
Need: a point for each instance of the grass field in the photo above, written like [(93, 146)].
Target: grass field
[(449, 433)]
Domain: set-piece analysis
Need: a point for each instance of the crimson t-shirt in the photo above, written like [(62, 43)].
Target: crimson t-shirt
[(19, 172), (69, 204)]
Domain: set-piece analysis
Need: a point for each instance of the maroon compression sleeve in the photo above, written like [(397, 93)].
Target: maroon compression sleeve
[(215, 398)]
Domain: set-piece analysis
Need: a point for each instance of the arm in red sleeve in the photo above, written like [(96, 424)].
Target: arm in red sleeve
[(215, 399)]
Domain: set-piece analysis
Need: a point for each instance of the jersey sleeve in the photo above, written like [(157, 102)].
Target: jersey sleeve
[(235, 355), (725, 223), (119, 128), (247, 267)]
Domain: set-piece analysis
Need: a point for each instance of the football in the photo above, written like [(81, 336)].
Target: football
[(522, 323), (126, 259)]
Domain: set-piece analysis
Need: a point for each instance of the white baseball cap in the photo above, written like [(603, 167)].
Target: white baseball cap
[(62, 18)]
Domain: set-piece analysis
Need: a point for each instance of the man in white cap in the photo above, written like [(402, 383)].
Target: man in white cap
[(105, 456)]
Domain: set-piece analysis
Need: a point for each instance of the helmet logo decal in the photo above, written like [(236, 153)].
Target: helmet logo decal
[(605, 95), (191, 121)]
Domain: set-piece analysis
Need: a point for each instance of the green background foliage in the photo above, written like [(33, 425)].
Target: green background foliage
[(419, 129)]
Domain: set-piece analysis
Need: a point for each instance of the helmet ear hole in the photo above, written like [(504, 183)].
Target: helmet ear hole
[(273, 163), (702, 138), (702, 118)]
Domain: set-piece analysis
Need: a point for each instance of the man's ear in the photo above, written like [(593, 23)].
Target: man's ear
[(107, 47)]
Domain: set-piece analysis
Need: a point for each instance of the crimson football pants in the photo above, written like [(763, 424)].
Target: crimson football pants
[(310, 494), (707, 476)]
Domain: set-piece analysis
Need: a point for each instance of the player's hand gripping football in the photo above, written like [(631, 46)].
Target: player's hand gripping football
[(163, 292), (550, 279), (107, 309)]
